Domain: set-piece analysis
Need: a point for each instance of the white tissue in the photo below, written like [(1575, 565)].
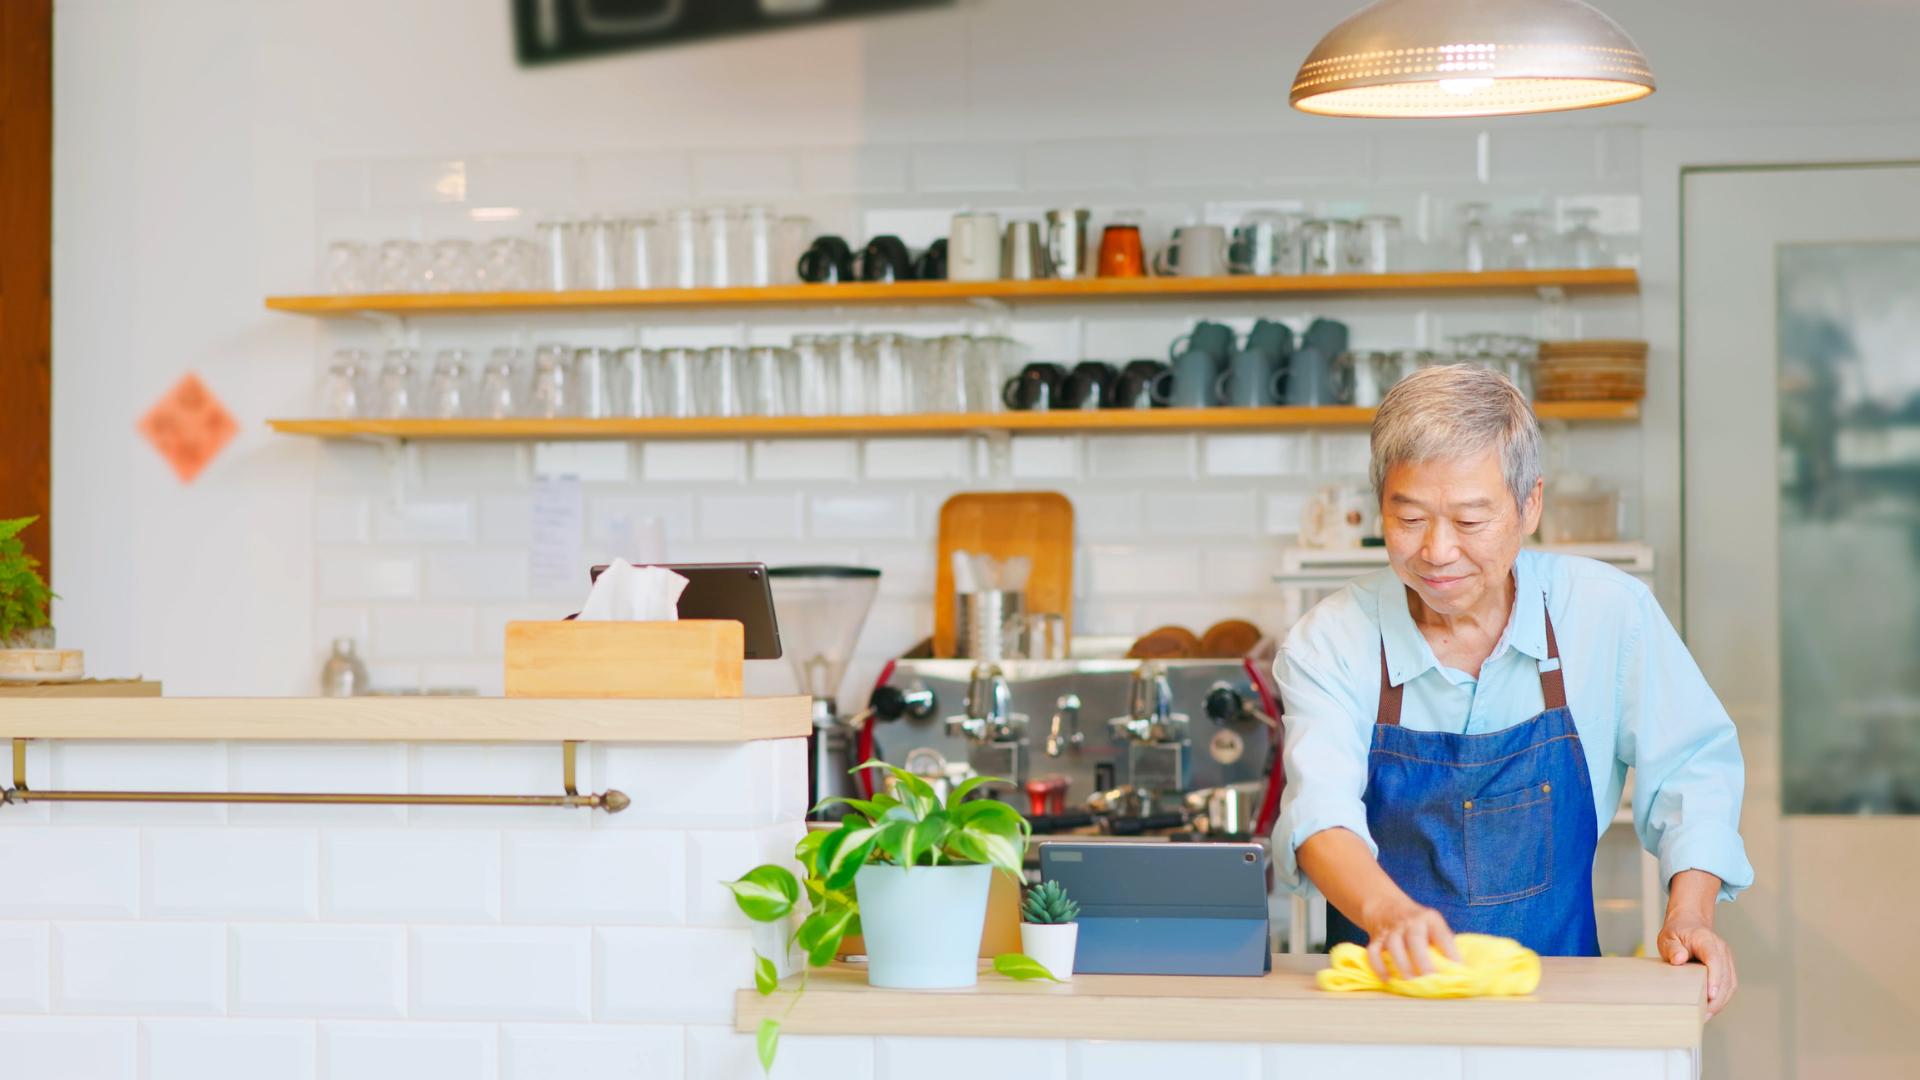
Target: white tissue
[(628, 592)]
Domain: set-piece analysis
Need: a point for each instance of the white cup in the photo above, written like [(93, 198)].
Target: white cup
[(1196, 251), (973, 247)]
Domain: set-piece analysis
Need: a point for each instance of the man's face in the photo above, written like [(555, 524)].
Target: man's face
[(1452, 530)]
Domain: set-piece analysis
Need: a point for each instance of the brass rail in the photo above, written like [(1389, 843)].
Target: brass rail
[(611, 801)]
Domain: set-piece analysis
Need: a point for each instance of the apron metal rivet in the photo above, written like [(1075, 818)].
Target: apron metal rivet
[(1469, 804), (1544, 788)]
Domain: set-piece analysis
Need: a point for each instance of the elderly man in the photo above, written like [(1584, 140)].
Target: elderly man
[(1460, 725)]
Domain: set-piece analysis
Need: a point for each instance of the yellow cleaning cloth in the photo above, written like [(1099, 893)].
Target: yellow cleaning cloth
[(1488, 967)]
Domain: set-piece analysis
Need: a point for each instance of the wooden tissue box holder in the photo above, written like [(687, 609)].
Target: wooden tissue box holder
[(691, 658)]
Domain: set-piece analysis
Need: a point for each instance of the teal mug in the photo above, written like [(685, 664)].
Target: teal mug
[(1251, 381), (1214, 339), (1189, 384)]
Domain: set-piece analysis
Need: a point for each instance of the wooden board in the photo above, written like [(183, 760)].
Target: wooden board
[(41, 665), (410, 719), (1606, 1002), (89, 688), (1010, 292), (803, 427), (690, 658), (1037, 524)]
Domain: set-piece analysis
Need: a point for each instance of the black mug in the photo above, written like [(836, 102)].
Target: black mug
[(829, 261), (886, 259), (1090, 386), (932, 264), (1035, 389), (1133, 388)]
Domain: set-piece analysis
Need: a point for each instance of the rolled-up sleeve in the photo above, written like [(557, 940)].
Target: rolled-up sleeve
[(1325, 757), (1689, 774)]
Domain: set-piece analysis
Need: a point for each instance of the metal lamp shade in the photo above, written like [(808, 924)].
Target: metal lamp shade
[(1420, 58)]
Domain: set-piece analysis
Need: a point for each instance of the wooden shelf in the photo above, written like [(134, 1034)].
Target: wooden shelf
[(411, 719), (1614, 280), (800, 427)]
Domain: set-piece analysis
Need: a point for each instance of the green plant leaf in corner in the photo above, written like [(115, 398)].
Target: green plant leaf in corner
[(767, 1042), (1022, 967), (765, 893), (766, 978)]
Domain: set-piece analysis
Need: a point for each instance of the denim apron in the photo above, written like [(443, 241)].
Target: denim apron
[(1496, 832)]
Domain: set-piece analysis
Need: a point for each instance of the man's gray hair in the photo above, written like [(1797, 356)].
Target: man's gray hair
[(1457, 411)]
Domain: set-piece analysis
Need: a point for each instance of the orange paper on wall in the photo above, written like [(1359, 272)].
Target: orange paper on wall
[(188, 426)]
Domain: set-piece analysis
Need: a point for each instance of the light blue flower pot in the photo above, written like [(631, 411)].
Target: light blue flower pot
[(922, 924)]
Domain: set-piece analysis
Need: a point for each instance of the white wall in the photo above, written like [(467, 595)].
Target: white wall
[(205, 147)]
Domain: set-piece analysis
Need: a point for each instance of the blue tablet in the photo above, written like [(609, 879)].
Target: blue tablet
[(1165, 908)]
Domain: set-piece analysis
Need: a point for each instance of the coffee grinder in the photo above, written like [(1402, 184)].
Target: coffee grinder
[(821, 611)]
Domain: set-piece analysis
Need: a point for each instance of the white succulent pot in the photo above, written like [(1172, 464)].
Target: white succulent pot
[(1051, 945), (922, 924)]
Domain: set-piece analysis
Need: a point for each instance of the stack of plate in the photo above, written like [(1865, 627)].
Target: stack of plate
[(1596, 370)]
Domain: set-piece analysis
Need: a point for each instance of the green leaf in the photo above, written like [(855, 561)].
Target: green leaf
[(1022, 967), (991, 815), (966, 787), (803, 851), (844, 852), (874, 809), (820, 935), (896, 840), (993, 849), (929, 834), (923, 798), (766, 1042), (766, 978), (766, 893)]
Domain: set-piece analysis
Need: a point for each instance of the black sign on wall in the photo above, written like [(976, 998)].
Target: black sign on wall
[(549, 30)]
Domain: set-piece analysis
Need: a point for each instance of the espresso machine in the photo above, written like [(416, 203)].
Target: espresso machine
[(1120, 746)]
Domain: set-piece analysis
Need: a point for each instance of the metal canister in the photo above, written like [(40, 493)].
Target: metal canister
[(1067, 243)]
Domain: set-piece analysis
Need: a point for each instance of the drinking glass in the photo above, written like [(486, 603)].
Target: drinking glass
[(629, 381), (397, 394), (447, 395), (993, 361), (769, 372), (551, 393), (500, 395), (816, 383), (1581, 245), (639, 242), (721, 232), (449, 266), (1377, 246), (723, 382), (1476, 238), (683, 250), (1526, 240), (1266, 242), (347, 268), (397, 268), (1329, 245), (677, 384), (950, 390), (886, 363), (791, 236), (756, 246), (853, 372), (343, 394), (598, 242), (554, 263), (504, 264), (592, 391)]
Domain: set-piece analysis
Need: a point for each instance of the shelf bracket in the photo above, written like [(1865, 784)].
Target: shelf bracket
[(611, 801), (392, 327)]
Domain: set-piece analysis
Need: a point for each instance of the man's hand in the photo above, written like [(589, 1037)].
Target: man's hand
[(1688, 935), (1403, 930)]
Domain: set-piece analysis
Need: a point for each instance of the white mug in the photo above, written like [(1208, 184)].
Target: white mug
[(1339, 517), (1196, 251), (973, 248)]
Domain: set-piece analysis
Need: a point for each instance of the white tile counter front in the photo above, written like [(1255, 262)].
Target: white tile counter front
[(144, 941)]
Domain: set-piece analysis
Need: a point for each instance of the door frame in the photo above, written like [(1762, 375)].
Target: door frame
[(26, 269)]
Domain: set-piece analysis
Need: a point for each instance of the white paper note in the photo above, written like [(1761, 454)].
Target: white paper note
[(555, 563)]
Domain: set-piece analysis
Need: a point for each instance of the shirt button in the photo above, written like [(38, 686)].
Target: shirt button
[(1544, 788)]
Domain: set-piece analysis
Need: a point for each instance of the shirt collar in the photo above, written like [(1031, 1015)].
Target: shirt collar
[(1408, 654)]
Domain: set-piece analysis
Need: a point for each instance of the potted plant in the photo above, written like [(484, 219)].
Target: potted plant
[(23, 592), (1048, 932), (906, 871)]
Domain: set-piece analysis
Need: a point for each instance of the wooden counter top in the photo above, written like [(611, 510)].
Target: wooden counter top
[(1603, 1003), (410, 719)]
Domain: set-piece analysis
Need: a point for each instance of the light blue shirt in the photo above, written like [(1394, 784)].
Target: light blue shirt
[(1637, 697)]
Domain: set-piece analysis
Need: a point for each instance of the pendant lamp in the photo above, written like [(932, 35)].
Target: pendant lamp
[(1421, 58)]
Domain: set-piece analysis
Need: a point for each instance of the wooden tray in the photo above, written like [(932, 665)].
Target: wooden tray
[(1037, 524), (691, 658)]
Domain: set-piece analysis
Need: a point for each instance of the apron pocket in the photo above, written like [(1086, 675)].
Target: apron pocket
[(1509, 842)]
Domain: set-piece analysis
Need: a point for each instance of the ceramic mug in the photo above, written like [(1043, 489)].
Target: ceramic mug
[(973, 247), (1214, 339), (1251, 381), (1339, 517), (1189, 384), (1196, 251), (1273, 338), (1133, 389), (828, 261)]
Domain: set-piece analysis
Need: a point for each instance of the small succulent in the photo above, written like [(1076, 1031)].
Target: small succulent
[(1047, 904)]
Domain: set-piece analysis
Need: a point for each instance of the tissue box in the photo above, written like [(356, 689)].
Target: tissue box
[(691, 658)]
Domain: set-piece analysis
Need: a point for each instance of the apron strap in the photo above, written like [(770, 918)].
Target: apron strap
[(1553, 683)]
